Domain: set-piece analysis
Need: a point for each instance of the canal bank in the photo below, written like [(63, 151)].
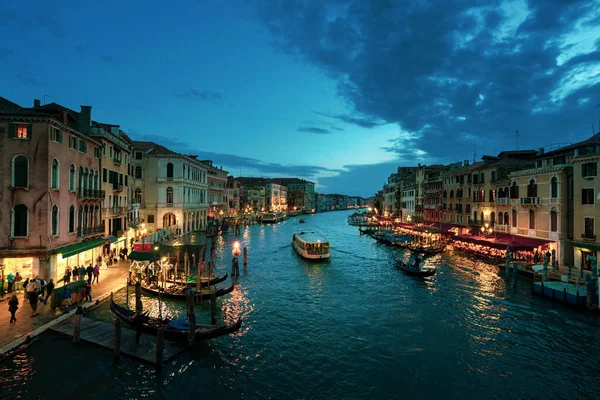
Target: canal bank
[(351, 327)]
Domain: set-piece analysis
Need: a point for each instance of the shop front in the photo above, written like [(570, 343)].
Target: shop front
[(586, 256), (27, 267), (75, 255)]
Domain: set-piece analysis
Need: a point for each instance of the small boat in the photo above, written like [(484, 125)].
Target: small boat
[(174, 330), (191, 281), (411, 270), (269, 218), (178, 292), (302, 221), (311, 245)]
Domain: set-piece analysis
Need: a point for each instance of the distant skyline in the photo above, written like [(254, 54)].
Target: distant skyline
[(337, 92)]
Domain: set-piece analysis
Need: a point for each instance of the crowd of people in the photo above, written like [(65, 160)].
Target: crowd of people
[(36, 290)]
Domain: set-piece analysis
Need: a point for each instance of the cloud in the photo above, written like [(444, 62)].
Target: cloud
[(313, 129), (194, 94), (463, 83)]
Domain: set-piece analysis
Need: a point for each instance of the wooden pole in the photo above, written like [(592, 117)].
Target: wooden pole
[(245, 256), (160, 346), (77, 324), (192, 332), (138, 298), (127, 288), (117, 344), (213, 309)]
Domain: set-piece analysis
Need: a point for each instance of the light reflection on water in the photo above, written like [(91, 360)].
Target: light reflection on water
[(353, 327)]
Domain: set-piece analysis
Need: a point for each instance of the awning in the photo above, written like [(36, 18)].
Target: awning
[(111, 238), (531, 242), (77, 248), (134, 227), (588, 246), (121, 239), (142, 256)]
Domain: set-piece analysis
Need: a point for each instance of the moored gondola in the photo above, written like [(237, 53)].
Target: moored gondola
[(174, 330), (178, 292), (411, 270), (203, 281)]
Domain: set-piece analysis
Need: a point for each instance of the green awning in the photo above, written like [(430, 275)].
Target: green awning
[(142, 256), (80, 247), (111, 238), (134, 227), (588, 246)]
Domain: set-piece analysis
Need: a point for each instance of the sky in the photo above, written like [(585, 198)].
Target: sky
[(337, 92)]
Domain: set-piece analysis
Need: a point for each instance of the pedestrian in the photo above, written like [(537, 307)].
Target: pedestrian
[(17, 282), (88, 292), (11, 280), (82, 273), (32, 295), (49, 290), (96, 274), (25, 284), (42, 286), (90, 271), (66, 298), (67, 277), (13, 306)]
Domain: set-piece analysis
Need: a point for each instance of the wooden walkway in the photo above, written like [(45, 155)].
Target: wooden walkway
[(102, 334)]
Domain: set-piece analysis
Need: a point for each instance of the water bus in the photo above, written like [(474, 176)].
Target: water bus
[(311, 245)]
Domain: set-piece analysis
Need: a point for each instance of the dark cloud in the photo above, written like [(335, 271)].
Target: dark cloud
[(194, 94), (313, 129), (453, 76)]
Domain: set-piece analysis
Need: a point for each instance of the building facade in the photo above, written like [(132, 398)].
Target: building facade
[(275, 197), (217, 190)]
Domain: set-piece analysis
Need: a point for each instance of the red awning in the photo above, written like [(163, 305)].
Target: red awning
[(530, 242)]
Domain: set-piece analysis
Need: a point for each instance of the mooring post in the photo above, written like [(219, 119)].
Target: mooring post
[(117, 344), (192, 331), (565, 295), (233, 266), (213, 309), (245, 256), (77, 324), (160, 346), (138, 298), (515, 274), (127, 288)]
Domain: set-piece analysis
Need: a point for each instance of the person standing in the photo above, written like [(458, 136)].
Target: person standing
[(42, 286), (13, 306), (11, 280), (67, 277), (90, 271), (82, 273), (96, 274), (32, 295), (17, 282), (88, 292), (49, 290)]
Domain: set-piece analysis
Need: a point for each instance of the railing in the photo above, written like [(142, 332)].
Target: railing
[(502, 201), (136, 200), (167, 179), (117, 188), (590, 236), (90, 230), (502, 228), (170, 205), (530, 200), (117, 161), (91, 194), (97, 131)]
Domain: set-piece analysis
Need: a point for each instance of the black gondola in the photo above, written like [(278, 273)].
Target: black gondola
[(150, 325), (203, 281), (411, 270), (177, 292)]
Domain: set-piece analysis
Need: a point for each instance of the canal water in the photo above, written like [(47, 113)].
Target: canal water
[(351, 327)]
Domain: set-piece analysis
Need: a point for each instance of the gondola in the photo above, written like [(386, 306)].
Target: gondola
[(177, 292), (302, 221), (176, 330), (411, 270), (203, 281)]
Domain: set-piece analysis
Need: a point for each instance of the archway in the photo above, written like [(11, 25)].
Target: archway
[(169, 220)]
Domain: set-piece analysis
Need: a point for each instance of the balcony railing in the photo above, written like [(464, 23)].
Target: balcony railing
[(91, 194), (530, 200), (502, 228), (589, 236), (502, 201), (90, 230), (117, 160), (115, 210), (136, 200)]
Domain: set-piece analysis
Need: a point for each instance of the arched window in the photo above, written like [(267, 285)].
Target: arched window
[(506, 218), (20, 172), (71, 219), (554, 188), (445, 194), (19, 220), (514, 218), (532, 189), (531, 219), (469, 194), (170, 195), (55, 173), (138, 172), (72, 177), (55, 220), (138, 195), (169, 170), (553, 220), (81, 178), (451, 193), (481, 214), (475, 216), (86, 179)]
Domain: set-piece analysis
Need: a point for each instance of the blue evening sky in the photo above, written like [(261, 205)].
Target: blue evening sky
[(338, 92)]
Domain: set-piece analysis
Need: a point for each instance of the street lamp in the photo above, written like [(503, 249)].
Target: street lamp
[(236, 249), (486, 230)]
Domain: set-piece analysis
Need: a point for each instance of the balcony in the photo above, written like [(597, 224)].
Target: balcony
[(530, 200), (90, 230), (166, 179), (502, 201), (419, 207), (502, 228), (117, 161), (171, 205), (588, 236), (117, 188), (136, 200), (90, 194)]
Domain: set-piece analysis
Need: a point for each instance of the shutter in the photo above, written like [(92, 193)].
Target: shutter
[(11, 130), (59, 136), (29, 131)]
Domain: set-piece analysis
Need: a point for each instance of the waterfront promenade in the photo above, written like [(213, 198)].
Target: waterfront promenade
[(15, 334)]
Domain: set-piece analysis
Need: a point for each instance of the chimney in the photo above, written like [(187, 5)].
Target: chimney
[(541, 151), (466, 163), (85, 120), (36, 103)]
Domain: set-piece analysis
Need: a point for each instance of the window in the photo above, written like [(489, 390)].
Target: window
[(73, 142), (126, 180), (492, 195), (138, 195), (19, 220), (482, 178), (588, 169), (82, 146), (19, 131), (103, 149), (138, 172), (492, 218), (20, 172), (514, 191), (532, 189), (506, 222), (514, 218), (138, 155), (55, 135), (110, 154), (55, 174), (104, 175), (71, 219), (493, 176), (553, 221), (554, 188), (531, 219), (169, 170), (587, 196), (468, 209), (475, 216), (170, 195), (150, 218), (72, 177), (55, 220), (588, 226)]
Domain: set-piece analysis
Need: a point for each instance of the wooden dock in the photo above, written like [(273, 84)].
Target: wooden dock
[(102, 334)]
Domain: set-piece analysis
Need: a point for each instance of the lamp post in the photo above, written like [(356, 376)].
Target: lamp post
[(235, 252), (486, 230)]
